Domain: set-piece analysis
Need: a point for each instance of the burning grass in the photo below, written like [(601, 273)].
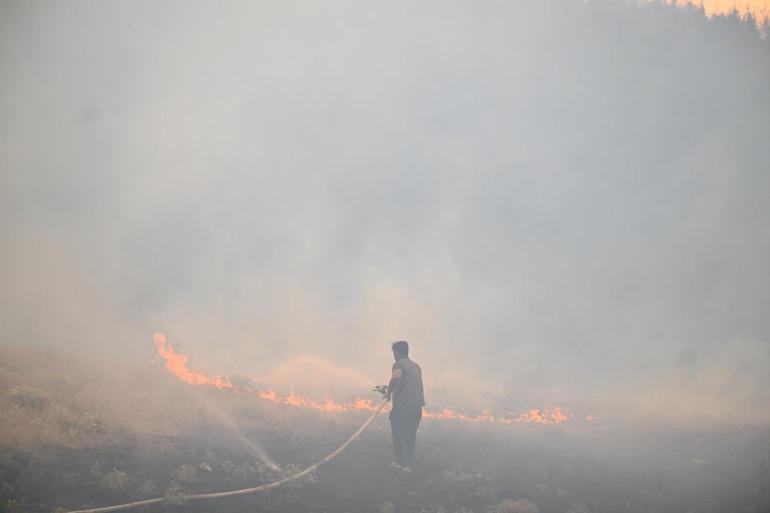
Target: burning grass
[(176, 362), (75, 435)]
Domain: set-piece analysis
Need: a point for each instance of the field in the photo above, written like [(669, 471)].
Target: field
[(82, 433)]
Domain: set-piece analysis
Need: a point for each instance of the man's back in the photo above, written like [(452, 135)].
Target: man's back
[(409, 392)]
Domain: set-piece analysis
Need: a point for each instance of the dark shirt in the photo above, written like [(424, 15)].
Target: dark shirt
[(408, 393)]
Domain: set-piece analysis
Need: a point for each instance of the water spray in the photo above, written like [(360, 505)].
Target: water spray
[(245, 491)]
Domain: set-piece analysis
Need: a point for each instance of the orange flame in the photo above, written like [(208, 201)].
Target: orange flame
[(329, 405), (176, 362), (553, 415), (450, 414)]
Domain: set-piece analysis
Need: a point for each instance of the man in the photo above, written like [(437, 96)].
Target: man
[(406, 392)]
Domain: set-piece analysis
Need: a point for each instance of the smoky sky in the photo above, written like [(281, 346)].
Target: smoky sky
[(555, 198)]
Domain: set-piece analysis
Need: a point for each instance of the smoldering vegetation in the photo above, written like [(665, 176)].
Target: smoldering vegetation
[(81, 433)]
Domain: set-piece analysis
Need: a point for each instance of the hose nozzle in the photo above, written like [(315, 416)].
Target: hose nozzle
[(383, 389)]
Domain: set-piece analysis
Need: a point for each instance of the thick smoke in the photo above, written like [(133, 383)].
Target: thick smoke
[(549, 199)]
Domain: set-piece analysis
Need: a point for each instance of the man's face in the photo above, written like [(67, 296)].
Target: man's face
[(395, 356)]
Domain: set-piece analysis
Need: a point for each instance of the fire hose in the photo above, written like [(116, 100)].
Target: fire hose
[(244, 491)]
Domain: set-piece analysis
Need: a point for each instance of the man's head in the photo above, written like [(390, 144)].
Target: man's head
[(400, 349)]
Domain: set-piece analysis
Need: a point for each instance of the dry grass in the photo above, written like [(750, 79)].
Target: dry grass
[(50, 398)]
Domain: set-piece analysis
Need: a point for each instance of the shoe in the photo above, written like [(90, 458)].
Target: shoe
[(406, 470), (395, 465)]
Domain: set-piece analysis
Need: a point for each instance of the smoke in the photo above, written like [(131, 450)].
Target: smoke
[(309, 372), (549, 200), (756, 10)]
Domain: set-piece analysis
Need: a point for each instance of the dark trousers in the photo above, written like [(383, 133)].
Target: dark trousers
[(403, 426)]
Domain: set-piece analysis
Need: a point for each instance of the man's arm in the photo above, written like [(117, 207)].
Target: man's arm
[(395, 378)]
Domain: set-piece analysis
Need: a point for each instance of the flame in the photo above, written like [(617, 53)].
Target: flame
[(552, 415), (329, 405), (176, 363), (450, 414), (745, 10)]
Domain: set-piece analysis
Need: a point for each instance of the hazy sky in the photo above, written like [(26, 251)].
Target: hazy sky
[(544, 197)]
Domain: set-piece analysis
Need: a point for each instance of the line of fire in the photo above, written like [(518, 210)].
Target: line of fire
[(176, 362)]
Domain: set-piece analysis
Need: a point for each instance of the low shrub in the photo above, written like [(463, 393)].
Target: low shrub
[(28, 397)]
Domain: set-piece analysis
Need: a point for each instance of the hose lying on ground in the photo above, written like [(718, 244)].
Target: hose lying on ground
[(244, 491)]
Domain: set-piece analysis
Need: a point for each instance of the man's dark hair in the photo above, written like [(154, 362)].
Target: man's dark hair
[(401, 347)]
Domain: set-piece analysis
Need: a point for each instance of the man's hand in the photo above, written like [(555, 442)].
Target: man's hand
[(383, 389)]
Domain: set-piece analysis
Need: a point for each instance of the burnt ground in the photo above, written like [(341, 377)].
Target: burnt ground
[(69, 447), (458, 467)]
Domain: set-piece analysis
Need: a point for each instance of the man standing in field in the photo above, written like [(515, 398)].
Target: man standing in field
[(406, 392)]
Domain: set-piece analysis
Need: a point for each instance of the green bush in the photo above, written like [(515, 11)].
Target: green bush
[(186, 474), (114, 481), (175, 495), (28, 397), (148, 489)]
